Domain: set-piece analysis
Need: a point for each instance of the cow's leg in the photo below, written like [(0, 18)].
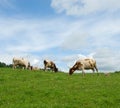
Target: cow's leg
[(14, 66), (93, 70), (45, 68), (83, 72), (26, 67), (96, 69), (52, 69)]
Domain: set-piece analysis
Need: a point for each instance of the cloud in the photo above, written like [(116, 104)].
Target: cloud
[(23, 35), (73, 37), (26, 36), (92, 35), (107, 59), (75, 40), (98, 35), (85, 7)]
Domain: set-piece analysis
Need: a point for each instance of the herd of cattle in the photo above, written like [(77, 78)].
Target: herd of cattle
[(82, 64)]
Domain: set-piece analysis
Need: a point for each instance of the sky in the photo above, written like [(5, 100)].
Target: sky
[(62, 31)]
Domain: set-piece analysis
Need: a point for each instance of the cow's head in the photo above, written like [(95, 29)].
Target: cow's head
[(56, 69), (74, 68), (71, 70)]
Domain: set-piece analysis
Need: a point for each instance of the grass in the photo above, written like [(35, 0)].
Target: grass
[(39, 89)]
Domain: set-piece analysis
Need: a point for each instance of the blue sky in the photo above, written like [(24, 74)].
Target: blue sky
[(62, 31)]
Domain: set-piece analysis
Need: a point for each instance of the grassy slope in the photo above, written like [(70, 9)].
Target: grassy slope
[(38, 89)]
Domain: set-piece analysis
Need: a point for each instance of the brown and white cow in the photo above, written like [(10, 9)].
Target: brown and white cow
[(51, 65), (21, 62), (83, 64)]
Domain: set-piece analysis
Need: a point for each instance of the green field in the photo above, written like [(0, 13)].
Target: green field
[(39, 89)]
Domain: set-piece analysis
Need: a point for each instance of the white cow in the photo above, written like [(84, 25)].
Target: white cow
[(21, 62), (34, 68), (87, 63)]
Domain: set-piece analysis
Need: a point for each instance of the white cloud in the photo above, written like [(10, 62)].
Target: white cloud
[(99, 34), (85, 7), (21, 37), (75, 40), (92, 35), (6, 58), (26, 36), (101, 37), (29, 35), (107, 59)]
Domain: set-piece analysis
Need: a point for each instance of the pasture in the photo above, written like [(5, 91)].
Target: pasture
[(39, 89)]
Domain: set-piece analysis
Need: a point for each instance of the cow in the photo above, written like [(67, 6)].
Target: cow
[(34, 68), (51, 65), (21, 62), (82, 64)]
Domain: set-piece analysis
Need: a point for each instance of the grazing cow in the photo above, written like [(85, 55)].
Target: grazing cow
[(34, 68), (51, 65), (21, 62), (107, 74), (84, 64)]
